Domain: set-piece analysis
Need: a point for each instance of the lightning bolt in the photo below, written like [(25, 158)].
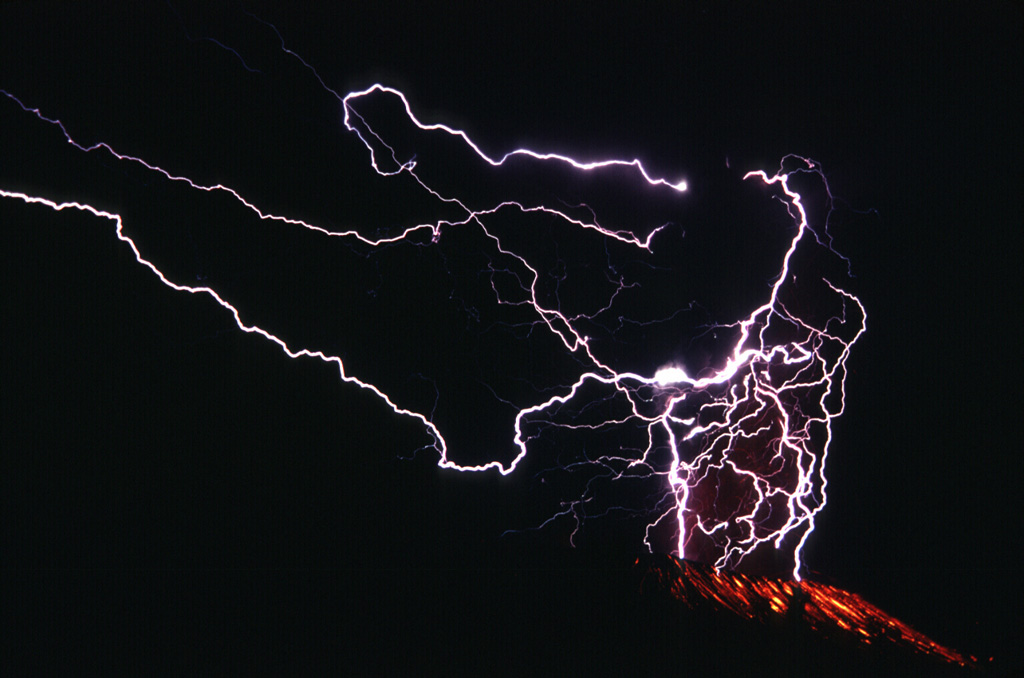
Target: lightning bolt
[(736, 450)]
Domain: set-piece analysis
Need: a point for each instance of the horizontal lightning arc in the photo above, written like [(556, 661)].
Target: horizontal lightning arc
[(679, 186)]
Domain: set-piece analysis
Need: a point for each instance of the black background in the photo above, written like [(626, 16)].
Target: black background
[(189, 496)]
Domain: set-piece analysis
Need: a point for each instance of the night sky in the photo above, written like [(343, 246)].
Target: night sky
[(179, 492)]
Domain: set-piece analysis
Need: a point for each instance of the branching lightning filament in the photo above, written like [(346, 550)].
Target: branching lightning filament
[(737, 448)]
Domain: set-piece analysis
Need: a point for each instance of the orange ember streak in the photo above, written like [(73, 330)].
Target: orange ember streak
[(826, 609)]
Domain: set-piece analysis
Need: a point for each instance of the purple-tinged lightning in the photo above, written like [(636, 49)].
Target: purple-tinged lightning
[(350, 98), (738, 448)]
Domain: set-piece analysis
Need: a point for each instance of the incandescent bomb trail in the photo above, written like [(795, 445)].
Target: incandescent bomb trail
[(735, 449)]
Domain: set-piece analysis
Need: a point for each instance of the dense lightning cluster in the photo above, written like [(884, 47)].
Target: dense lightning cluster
[(735, 447)]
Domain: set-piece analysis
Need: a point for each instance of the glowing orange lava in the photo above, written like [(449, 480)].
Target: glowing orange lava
[(828, 610)]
